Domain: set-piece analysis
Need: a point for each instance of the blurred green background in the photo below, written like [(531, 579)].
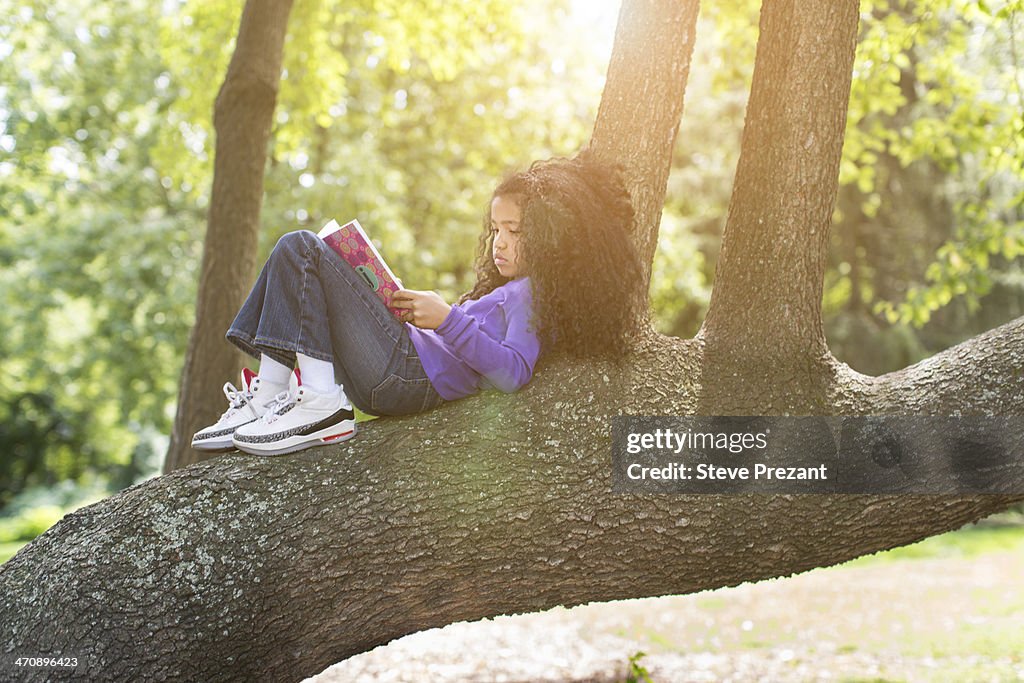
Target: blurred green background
[(406, 115)]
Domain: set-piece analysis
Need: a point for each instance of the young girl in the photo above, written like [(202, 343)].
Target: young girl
[(557, 270)]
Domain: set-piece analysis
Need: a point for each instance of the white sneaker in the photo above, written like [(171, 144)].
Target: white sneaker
[(303, 419), (246, 405)]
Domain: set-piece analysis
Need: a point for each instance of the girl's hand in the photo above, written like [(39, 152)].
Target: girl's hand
[(426, 310)]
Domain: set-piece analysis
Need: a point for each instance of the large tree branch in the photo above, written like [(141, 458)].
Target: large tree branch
[(247, 568), (981, 376)]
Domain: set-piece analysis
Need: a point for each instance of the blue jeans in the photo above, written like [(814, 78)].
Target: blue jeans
[(309, 300)]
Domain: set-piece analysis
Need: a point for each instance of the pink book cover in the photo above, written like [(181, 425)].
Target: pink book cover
[(352, 244)]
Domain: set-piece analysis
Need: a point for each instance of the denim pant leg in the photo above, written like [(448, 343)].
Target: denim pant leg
[(309, 300)]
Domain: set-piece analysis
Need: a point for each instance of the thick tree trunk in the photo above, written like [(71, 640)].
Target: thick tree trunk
[(768, 283), (243, 114), (272, 569), (766, 345)]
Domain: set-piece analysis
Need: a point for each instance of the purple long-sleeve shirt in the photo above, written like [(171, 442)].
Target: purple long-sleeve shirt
[(483, 343)]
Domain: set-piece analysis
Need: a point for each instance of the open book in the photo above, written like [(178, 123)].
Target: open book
[(352, 244)]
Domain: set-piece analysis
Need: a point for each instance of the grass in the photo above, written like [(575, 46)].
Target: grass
[(971, 541)]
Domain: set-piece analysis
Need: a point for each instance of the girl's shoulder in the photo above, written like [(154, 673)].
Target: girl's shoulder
[(512, 294), (516, 291)]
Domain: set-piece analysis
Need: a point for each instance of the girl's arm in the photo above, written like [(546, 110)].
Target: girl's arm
[(507, 363)]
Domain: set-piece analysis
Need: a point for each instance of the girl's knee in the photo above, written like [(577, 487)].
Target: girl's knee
[(296, 240)]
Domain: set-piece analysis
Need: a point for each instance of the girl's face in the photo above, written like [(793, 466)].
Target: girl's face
[(505, 227)]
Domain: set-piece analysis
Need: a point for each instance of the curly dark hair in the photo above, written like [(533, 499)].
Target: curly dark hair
[(577, 247)]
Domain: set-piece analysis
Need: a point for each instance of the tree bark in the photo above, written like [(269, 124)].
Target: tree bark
[(637, 80), (243, 115), (786, 181), (272, 569)]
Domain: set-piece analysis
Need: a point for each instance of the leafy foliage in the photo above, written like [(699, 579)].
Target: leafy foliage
[(637, 672), (97, 251), (930, 219)]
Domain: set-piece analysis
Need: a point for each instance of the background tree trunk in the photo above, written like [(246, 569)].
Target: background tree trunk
[(272, 569), (243, 115)]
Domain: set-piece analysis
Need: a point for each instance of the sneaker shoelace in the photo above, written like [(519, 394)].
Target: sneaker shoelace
[(237, 399), (277, 407)]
